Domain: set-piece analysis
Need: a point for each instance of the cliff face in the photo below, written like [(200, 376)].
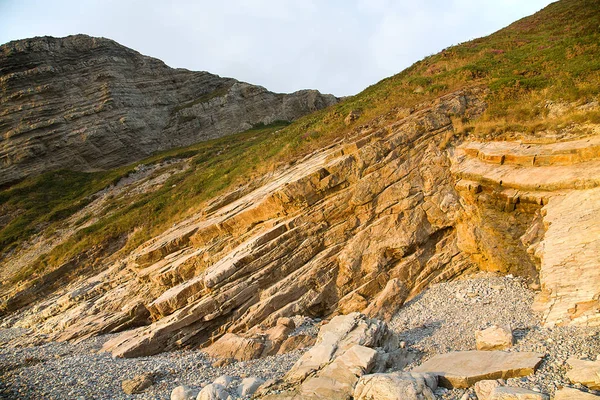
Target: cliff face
[(87, 103), (362, 225), (370, 216)]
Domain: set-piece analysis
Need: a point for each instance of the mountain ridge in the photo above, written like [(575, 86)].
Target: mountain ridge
[(87, 103)]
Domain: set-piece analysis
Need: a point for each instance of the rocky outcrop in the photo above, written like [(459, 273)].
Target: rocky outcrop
[(89, 103), (347, 348), (360, 226), (533, 205)]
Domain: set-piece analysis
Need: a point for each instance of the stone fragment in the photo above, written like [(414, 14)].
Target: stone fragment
[(585, 372), (248, 386), (296, 342), (484, 389), (183, 393), (494, 338), (516, 393), (237, 347), (462, 369), (138, 384), (574, 394), (396, 386), (213, 391)]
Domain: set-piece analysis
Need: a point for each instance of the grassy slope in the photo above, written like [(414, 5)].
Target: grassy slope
[(552, 55)]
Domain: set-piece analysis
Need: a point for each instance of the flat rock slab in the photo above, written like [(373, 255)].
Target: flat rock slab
[(462, 369), (574, 394)]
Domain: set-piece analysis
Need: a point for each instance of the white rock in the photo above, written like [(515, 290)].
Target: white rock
[(249, 385), (494, 338), (214, 391), (223, 380), (396, 386), (183, 393)]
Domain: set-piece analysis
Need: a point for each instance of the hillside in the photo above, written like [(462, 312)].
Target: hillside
[(483, 157), (86, 104)]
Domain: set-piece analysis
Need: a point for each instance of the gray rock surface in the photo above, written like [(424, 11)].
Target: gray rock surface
[(396, 386), (88, 103)]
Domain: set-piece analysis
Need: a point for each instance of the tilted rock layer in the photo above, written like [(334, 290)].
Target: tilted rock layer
[(89, 103), (363, 225)]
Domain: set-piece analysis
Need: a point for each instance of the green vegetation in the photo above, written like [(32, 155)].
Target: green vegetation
[(553, 55)]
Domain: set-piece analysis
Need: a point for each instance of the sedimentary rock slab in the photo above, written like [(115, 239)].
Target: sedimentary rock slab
[(585, 372), (462, 369)]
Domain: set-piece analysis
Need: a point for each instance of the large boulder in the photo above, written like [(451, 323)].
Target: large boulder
[(462, 369), (494, 338), (585, 372), (396, 386), (347, 348), (337, 380), (338, 336)]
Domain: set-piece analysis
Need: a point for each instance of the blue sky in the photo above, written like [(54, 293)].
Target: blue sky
[(336, 46)]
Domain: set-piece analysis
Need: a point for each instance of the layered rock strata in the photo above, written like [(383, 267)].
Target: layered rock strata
[(362, 225), (89, 103)]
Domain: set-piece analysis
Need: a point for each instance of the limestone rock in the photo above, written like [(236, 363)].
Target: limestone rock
[(574, 394), (248, 386), (484, 388), (296, 342), (138, 384), (396, 386), (347, 347), (494, 338), (213, 391), (232, 346), (339, 335), (183, 393), (585, 372), (462, 369), (89, 103), (337, 379), (516, 393), (223, 380)]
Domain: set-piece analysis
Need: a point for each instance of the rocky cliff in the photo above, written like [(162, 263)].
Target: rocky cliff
[(365, 220), (87, 103), (363, 225)]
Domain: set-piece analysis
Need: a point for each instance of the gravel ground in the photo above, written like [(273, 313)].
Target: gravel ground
[(445, 318), (77, 371)]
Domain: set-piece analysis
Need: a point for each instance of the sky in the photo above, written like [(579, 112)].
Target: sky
[(335, 46)]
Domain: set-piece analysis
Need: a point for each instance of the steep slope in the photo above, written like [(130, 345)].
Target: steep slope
[(87, 103), (426, 175)]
